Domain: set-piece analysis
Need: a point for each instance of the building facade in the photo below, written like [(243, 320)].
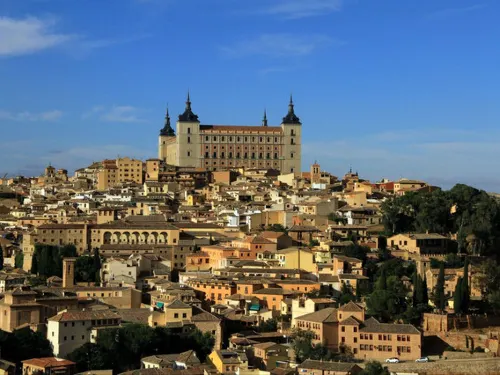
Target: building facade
[(219, 147)]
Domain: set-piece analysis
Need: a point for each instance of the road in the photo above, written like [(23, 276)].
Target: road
[(481, 366)]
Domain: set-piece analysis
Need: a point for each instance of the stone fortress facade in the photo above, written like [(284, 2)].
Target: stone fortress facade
[(220, 147)]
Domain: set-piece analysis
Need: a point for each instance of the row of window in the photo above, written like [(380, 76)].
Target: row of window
[(292, 140), (238, 155), (230, 148)]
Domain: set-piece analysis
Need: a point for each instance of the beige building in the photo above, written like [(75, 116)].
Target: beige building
[(117, 171), (219, 147), (368, 339), (419, 243), (69, 330)]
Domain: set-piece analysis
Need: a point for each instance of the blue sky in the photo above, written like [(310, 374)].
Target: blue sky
[(394, 88)]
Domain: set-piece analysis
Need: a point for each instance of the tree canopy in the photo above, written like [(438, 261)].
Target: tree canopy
[(121, 349), (22, 344), (471, 213)]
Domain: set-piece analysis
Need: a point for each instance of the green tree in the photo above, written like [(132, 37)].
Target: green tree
[(1, 259), (270, 325), (97, 265), (91, 357), (23, 344), (381, 283), (458, 303), (19, 260), (465, 288), (438, 295), (374, 368), (425, 291)]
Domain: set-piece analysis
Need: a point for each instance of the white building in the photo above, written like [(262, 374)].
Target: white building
[(69, 330)]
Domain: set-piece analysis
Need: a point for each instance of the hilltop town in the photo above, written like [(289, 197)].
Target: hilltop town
[(222, 256)]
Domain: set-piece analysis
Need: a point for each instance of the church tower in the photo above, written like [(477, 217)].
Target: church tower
[(315, 173), (292, 139)]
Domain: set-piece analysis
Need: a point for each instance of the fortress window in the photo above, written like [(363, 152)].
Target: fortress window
[(246, 155), (230, 155), (260, 155), (292, 141), (291, 155), (276, 155), (222, 139), (260, 139), (253, 155), (222, 155), (189, 139), (268, 139), (189, 153), (206, 138), (268, 155), (246, 139), (292, 132), (215, 139), (230, 139), (189, 130), (215, 154)]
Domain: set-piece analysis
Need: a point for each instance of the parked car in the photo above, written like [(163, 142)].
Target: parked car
[(392, 360), (422, 359)]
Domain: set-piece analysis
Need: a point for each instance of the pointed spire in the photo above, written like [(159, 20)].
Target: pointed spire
[(264, 120), (291, 118), (167, 129), (188, 115)]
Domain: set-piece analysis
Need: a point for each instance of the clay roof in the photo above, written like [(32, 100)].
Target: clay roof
[(373, 325), (328, 315), (177, 304), (351, 321), (48, 362), (69, 316), (351, 307), (328, 366)]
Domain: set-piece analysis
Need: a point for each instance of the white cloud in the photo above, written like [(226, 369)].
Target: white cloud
[(445, 13), (278, 45), (30, 116), (293, 9), (28, 35), (121, 113)]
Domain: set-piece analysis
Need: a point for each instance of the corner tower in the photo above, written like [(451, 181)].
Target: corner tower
[(166, 146), (292, 141), (188, 138)]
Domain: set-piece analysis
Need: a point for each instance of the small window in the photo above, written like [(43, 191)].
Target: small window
[(189, 130)]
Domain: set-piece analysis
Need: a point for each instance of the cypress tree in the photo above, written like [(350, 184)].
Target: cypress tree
[(416, 286), (97, 265), (382, 280), (425, 292), (465, 288), (439, 298), (1, 259), (458, 298)]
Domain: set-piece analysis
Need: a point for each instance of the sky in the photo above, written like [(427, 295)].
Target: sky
[(392, 88)]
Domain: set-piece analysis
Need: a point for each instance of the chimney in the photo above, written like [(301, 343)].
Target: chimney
[(69, 272)]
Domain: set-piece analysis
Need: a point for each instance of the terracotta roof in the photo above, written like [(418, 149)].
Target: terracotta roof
[(328, 315), (373, 325), (350, 307), (177, 304), (247, 128), (351, 321), (48, 362), (69, 316), (329, 366)]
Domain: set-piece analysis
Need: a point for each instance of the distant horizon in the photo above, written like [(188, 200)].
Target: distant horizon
[(401, 89)]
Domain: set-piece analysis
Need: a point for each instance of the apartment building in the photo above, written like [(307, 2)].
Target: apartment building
[(70, 329), (117, 171)]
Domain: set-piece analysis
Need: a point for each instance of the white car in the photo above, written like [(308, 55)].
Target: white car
[(392, 360), (422, 359)]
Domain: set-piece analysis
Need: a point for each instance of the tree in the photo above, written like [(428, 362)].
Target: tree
[(425, 291), (374, 368), (270, 325), (381, 283), (356, 251), (22, 344), (346, 294), (465, 288), (1, 259), (458, 302), (19, 260), (97, 265), (91, 357), (438, 296)]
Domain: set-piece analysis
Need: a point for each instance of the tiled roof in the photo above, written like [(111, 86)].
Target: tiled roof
[(177, 304), (351, 307), (69, 316), (351, 321), (373, 325), (48, 362), (328, 315), (328, 366)]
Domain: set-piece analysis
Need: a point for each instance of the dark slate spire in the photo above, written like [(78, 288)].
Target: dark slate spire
[(188, 115), (264, 120), (167, 129), (291, 118)]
